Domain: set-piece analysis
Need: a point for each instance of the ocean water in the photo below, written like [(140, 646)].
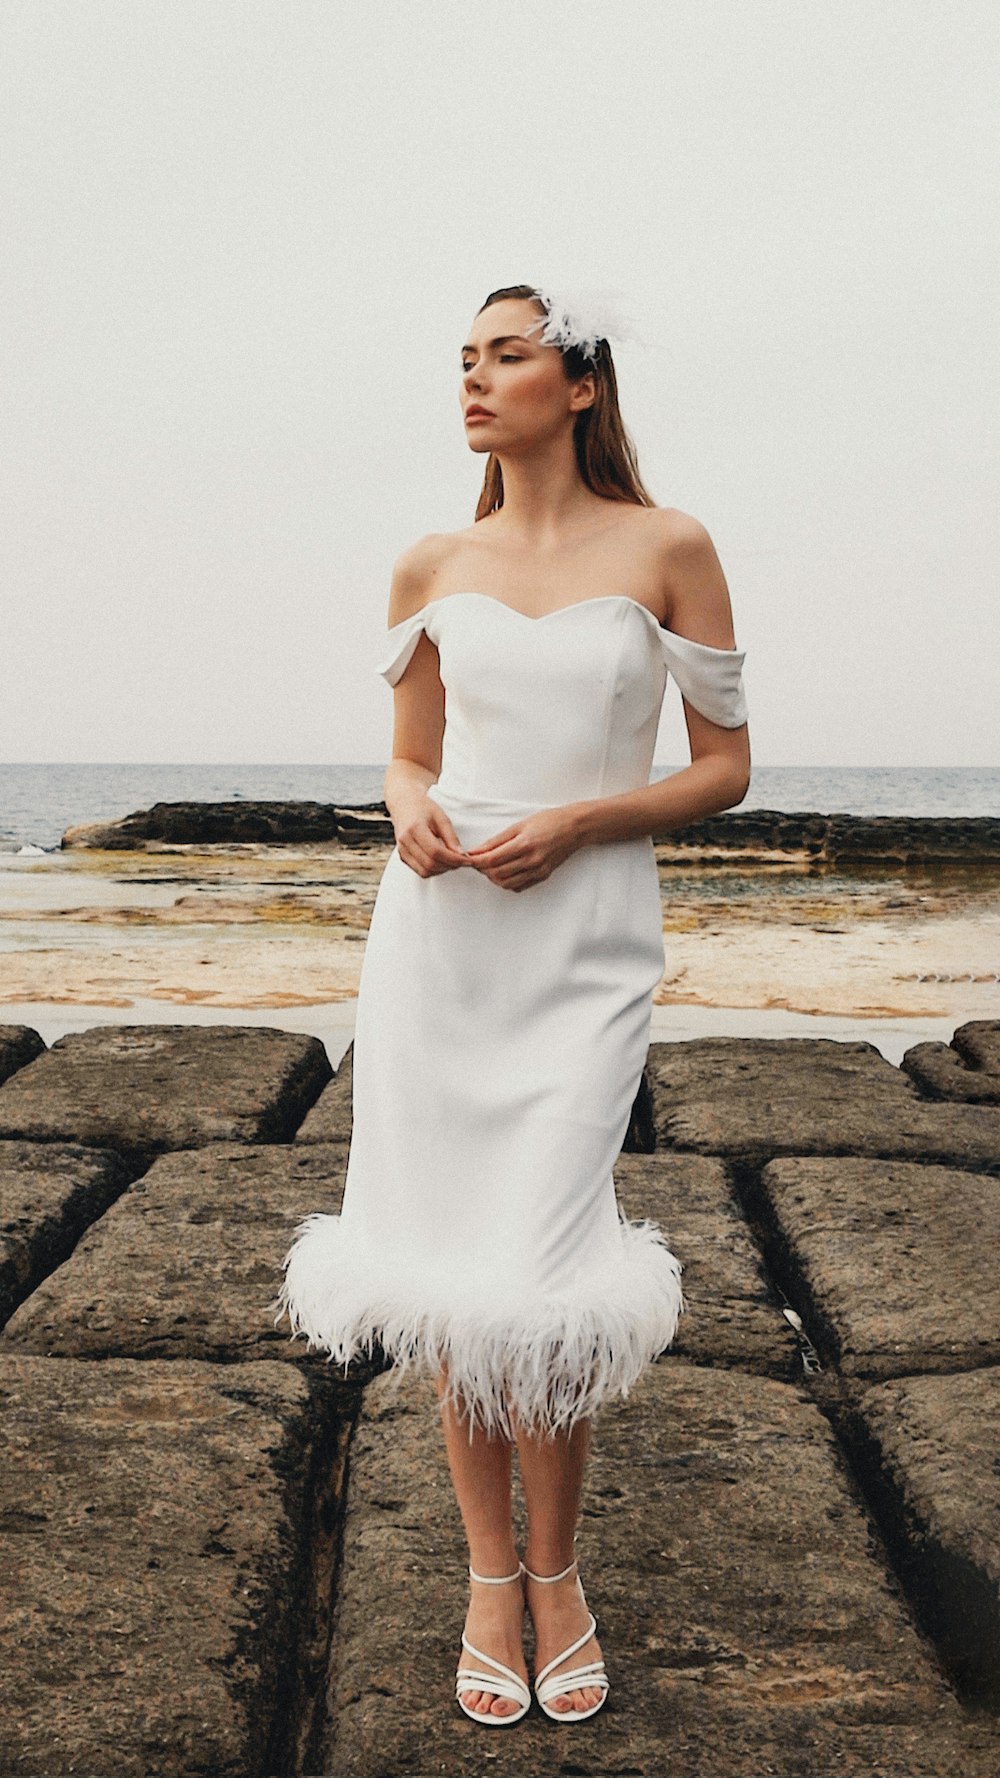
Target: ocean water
[(38, 802)]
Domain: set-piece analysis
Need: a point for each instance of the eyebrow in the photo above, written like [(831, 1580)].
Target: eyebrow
[(501, 340)]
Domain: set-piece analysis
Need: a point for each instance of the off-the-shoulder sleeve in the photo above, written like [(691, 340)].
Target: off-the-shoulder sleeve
[(401, 640), (709, 678)]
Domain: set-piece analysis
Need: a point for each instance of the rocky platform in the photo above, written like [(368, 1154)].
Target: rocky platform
[(837, 842), (219, 1556)]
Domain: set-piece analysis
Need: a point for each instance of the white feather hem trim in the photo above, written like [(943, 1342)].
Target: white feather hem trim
[(551, 1359)]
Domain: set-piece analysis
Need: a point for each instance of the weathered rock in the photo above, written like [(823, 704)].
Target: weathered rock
[(967, 1068), (331, 1117), (166, 1556), (954, 1135), (743, 1609), (242, 822), (731, 1315), (927, 1447), (143, 1089), (896, 841), (733, 1071), (19, 1045), (892, 1265), (186, 1263), (752, 1099), (908, 840), (49, 1193)]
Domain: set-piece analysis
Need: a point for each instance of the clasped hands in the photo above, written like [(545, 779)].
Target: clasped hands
[(524, 853)]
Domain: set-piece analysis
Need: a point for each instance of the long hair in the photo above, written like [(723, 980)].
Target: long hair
[(605, 453)]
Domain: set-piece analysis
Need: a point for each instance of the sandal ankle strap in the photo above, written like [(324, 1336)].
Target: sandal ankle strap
[(496, 1580), (547, 1577)]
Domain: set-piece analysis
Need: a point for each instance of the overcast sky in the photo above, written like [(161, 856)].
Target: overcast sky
[(242, 245)]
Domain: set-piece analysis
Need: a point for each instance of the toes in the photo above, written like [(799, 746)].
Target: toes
[(486, 1703), (578, 1700)]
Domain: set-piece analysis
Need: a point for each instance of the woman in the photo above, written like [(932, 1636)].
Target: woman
[(506, 989)]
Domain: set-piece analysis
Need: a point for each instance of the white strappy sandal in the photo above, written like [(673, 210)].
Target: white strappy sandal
[(553, 1685), (504, 1683)]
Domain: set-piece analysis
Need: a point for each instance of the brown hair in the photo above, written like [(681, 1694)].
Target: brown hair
[(605, 453)]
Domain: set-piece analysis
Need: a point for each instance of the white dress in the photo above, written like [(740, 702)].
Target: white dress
[(500, 1036)]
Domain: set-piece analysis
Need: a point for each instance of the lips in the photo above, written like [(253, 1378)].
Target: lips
[(481, 413)]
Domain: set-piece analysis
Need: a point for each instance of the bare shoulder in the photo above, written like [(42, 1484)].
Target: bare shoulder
[(415, 573), (680, 534), (694, 588)]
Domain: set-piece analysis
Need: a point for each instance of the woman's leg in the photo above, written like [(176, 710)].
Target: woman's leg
[(481, 1475), (552, 1478)]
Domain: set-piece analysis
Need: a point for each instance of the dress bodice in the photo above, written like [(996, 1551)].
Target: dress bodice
[(559, 707)]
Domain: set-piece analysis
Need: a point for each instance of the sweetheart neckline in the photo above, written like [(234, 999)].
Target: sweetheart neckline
[(543, 616), (560, 611)]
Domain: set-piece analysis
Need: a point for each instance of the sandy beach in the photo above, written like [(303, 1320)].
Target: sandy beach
[(281, 927)]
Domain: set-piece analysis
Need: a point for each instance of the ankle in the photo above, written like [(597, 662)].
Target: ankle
[(549, 1562), (494, 1561)]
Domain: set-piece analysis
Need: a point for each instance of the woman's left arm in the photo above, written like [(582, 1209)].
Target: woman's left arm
[(697, 606)]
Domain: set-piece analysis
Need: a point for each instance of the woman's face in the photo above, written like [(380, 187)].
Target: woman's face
[(520, 382)]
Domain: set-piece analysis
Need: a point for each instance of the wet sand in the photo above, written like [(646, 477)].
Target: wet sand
[(257, 927)]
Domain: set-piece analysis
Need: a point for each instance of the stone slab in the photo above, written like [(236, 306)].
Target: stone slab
[(330, 1119), (733, 1070), (927, 1447), (19, 1045), (185, 1263), (965, 1136), (744, 1609), (751, 1099), (966, 1069), (144, 1089), (49, 1193), (165, 1558), (731, 1315), (893, 1266)]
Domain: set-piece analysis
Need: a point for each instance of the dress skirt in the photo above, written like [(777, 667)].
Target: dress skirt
[(498, 1050)]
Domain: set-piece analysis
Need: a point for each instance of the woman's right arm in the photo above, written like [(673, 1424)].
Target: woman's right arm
[(424, 835)]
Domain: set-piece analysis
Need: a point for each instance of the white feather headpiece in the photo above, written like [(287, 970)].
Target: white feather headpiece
[(582, 315)]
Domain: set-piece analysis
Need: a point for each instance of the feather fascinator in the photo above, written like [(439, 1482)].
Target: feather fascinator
[(581, 315)]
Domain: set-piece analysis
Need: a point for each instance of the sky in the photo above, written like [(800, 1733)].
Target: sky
[(243, 243)]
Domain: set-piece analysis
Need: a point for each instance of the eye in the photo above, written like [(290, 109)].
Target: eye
[(505, 358)]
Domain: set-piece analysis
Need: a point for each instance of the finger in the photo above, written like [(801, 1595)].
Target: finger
[(416, 857), (505, 852), (445, 855), (440, 824), (497, 839), (511, 878), (445, 834), (422, 848)]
